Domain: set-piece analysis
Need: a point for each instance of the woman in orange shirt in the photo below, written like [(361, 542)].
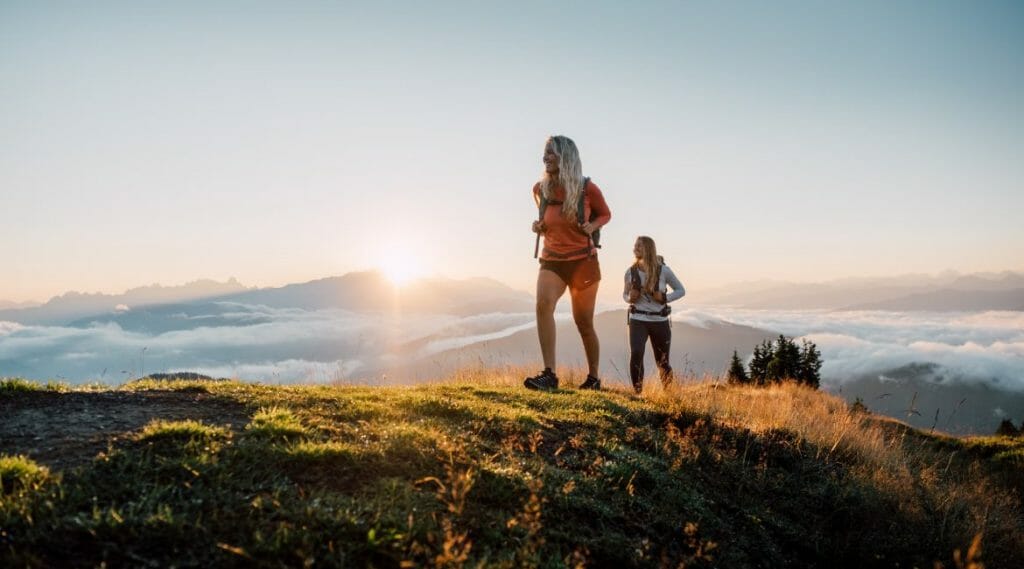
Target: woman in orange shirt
[(569, 257)]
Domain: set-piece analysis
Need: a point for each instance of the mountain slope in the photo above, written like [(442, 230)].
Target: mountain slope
[(481, 473), (706, 348)]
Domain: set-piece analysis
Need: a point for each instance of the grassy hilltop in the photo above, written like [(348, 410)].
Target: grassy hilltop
[(478, 471)]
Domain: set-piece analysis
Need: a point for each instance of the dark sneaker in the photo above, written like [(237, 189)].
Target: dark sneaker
[(591, 383), (638, 387), (544, 380)]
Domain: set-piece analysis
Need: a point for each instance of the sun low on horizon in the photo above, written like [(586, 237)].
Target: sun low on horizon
[(400, 267)]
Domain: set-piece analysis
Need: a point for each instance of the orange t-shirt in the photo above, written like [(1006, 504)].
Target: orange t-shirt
[(563, 239)]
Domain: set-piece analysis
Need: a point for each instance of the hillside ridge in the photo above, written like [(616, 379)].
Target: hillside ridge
[(477, 471)]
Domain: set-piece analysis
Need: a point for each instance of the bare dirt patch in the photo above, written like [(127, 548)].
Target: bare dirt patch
[(63, 430)]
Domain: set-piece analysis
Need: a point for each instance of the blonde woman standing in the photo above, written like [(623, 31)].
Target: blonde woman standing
[(571, 211), (646, 291)]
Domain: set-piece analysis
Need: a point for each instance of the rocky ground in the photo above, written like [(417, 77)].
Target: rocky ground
[(63, 430)]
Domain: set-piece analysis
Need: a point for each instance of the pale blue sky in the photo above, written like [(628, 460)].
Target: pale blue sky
[(162, 142)]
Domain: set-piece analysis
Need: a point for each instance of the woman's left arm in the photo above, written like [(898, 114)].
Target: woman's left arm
[(673, 282)]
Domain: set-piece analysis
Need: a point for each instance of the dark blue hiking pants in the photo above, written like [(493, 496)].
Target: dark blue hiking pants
[(660, 334)]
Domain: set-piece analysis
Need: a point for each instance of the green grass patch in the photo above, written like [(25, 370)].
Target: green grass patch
[(13, 385), (275, 424), (497, 476), (188, 431), (1011, 458), (19, 473)]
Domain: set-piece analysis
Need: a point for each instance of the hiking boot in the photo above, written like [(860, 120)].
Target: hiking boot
[(591, 383), (545, 380), (638, 387)]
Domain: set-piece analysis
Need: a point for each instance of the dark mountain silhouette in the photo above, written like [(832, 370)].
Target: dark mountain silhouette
[(74, 305)]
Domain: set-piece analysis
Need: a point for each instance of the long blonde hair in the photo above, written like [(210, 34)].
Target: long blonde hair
[(570, 174), (650, 262)]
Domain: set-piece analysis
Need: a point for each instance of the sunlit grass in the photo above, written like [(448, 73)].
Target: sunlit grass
[(19, 473), (475, 470), (180, 431), (11, 385), (275, 423), (820, 419)]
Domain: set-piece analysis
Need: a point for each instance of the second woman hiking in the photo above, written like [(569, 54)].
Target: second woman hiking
[(646, 291)]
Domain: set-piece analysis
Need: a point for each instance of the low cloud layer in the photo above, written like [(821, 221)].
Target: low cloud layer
[(248, 341), (286, 345), (969, 347)]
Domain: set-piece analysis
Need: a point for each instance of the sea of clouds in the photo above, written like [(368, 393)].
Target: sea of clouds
[(289, 345), (969, 346), (251, 342)]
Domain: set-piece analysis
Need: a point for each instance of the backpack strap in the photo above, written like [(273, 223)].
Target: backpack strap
[(634, 276), (657, 277), (595, 238), (542, 206), (581, 203)]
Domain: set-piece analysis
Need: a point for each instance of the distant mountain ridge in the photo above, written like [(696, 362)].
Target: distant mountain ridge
[(950, 299), (370, 291), (74, 305), (9, 304), (367, 291), (948, 291)]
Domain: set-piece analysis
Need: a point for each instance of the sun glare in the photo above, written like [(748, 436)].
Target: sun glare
[(400, 268)]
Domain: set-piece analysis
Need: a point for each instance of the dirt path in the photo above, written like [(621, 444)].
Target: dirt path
[(63, 430)]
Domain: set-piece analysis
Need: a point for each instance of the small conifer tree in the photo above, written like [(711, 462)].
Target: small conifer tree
[(1006, 429), (810, 365), (858, 406), (737, 373), (759, 363), (784, 362)]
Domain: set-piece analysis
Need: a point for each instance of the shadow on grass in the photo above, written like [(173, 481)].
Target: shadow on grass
[(592, 478)]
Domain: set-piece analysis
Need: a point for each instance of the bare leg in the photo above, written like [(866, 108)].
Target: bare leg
[(583, 302), (549, 289)]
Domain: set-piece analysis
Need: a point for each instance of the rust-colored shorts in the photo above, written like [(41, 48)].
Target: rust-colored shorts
[(578, 274)]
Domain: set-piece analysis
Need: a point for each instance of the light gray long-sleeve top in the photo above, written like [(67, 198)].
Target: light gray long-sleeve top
[(645, 302)]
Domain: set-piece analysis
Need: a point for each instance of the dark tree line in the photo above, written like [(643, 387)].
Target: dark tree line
[(1007, 429), (778, 361)]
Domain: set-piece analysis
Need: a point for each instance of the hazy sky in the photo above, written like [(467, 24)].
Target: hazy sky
[(147, 142)]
